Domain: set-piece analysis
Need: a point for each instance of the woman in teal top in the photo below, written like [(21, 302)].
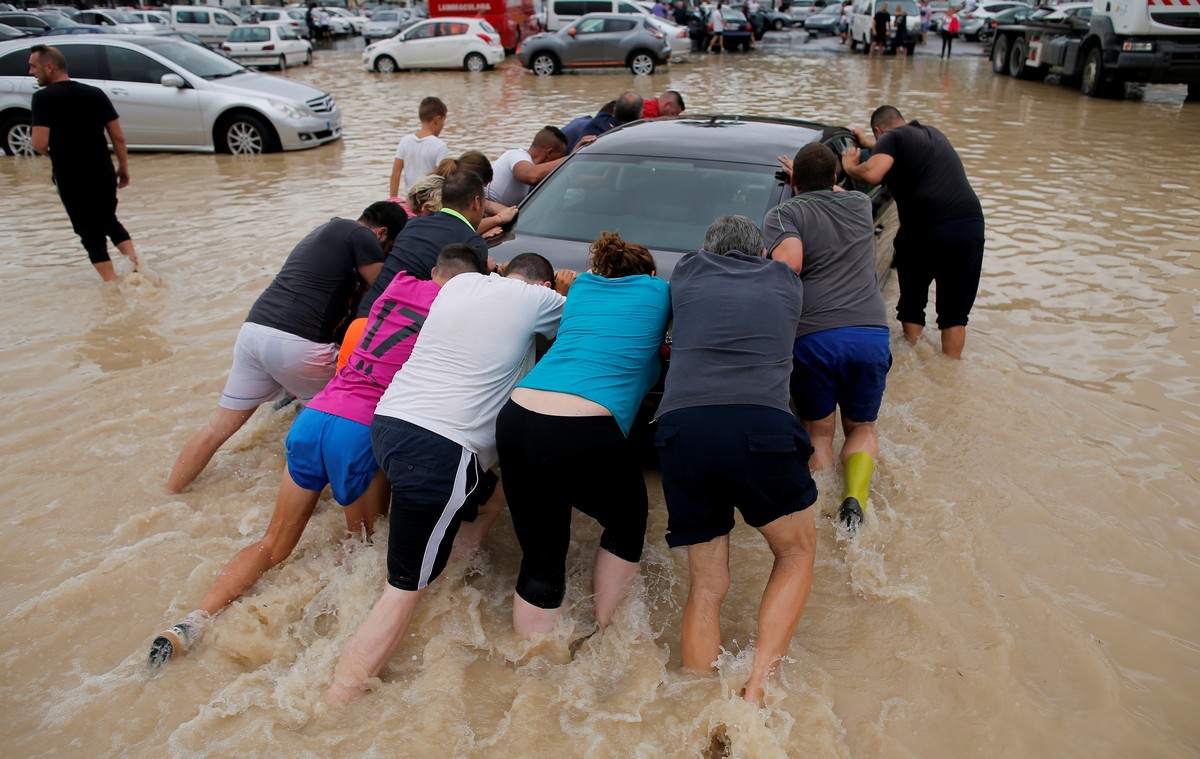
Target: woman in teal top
[(563, 437)]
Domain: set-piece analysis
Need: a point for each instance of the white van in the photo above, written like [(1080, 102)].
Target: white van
[(560, 13), (207, 22), (862, 22)]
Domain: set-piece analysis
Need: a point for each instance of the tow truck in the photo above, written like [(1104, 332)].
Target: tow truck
[(1119, 41)]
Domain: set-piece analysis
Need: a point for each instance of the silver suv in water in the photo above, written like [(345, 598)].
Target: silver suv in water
[(173, 95)]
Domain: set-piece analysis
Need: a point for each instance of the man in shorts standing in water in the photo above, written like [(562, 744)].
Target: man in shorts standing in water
[(726, 437), (941, 221), (69, 122)]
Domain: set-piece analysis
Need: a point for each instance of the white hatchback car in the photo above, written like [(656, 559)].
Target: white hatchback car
[(271, 44), (447, 42)]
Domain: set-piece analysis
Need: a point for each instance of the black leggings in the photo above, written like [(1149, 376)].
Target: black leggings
[(93, 213), (947, 43), (550, 464)]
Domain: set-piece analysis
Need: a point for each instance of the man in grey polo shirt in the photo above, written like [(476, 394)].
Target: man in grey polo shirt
[(842, 354), (727, 438)]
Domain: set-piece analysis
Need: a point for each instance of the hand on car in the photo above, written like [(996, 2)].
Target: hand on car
[(851, 157), (786, 163), (864, 140), (563, 279), (585, 140)]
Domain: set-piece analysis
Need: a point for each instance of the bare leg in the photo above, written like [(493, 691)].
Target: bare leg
[(201, 446), (529, 619), (860, 436), (361, 515), (372, 644), (953, 340), (106, 271), (611, 579), (127, 249), (912, 332), (793, 540), (293, 509), (821, 433), (471, 534), (708, 565)]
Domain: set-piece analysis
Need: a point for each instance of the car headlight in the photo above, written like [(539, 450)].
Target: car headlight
[(291, 110)]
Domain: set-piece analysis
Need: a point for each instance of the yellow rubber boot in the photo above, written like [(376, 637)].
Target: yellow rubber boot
[(858, 470)]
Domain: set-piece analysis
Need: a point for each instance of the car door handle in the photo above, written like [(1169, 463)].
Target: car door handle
[(119, 91)]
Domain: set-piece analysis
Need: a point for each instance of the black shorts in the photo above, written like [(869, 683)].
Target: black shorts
[(91, 204), (436, 485), (552, 464), (717, 457), (950, 254)]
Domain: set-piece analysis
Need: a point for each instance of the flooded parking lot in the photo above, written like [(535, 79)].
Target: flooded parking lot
[(1028, 590)]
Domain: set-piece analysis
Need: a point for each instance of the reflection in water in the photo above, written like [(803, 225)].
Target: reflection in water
[(1017, 595)]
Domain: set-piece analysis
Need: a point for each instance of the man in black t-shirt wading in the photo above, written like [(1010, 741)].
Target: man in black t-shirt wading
[(941, 221), (289, 340), (69, 122)]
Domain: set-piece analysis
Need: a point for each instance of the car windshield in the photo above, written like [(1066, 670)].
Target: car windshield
[(386, 16), (124, 17), (57, 20), (675, 198), (200, 61)]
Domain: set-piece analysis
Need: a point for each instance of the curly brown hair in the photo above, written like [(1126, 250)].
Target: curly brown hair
[(612, 257)]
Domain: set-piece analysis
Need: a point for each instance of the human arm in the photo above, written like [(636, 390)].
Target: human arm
[(791, 252), (499, 215), (871, 172), (369, 272), (394, 183), (530, 173), (41, 139), (864, 139), (118, 142), (563, 279)]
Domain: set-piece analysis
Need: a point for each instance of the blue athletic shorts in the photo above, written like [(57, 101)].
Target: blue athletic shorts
[(323, 449), (844, 367), (715, 458)]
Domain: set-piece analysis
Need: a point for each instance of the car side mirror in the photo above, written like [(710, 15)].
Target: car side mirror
[(172, 80), (571, 31)]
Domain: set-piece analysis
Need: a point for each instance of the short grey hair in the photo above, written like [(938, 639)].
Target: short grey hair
[(730, 233)]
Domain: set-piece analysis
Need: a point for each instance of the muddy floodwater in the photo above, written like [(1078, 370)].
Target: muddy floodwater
[(1028, 590)]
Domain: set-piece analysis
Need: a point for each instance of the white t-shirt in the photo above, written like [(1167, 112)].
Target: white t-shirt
[(476, 343), (505, 188), (421, 155), (717, 20)]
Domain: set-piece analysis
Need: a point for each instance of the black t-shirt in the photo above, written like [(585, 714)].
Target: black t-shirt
[(311, 294), (417, 248), (76, 114), (927, 178), (882, 19)]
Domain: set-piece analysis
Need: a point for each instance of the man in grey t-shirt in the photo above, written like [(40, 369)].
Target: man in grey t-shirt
[(842, 352), (727, 438)]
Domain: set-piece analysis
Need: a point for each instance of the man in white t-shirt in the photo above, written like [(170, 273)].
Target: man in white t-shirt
[(434, 436), (419, 154), (516, 171), (716, 24)]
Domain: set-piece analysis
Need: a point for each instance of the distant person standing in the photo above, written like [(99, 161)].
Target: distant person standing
[(658, 9), (419, 154), (842, 355), (716, 27), (901, 40), (950, 27), (844, 23), (70, 120), (882, 22), (679, 13), (941, 221), (926, 10), (310, 21)]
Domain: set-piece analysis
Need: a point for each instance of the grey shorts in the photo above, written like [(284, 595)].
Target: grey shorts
[(268, 361)]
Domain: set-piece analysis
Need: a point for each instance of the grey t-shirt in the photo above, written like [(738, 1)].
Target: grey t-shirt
[(735, 323), (311, 294), (837, 231)]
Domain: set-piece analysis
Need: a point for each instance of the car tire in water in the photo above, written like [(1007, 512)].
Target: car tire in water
[(245, 134), (474, 62), (385, 64), (777, 25), (1092, 82), (17, 132), (1000, 55), (544, 64), (642, 63)]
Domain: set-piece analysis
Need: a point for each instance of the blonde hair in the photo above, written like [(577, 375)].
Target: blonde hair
[(425, 196)]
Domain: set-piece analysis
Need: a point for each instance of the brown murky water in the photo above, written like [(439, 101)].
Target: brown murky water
[(1028, 590)]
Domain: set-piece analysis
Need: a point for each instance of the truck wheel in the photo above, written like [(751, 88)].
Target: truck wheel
[(1093, 82), (1000, 55)]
